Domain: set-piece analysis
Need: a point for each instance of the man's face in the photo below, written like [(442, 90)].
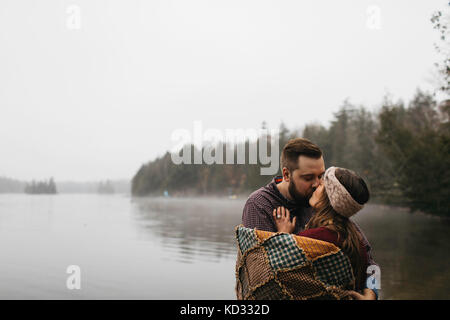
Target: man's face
[(305, 179)]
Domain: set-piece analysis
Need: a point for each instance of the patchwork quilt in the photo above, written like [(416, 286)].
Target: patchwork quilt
[(285, 266)]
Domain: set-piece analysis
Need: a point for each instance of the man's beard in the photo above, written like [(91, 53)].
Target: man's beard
[(298, 198)]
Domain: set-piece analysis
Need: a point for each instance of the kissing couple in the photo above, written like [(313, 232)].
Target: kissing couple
[(297, 237)]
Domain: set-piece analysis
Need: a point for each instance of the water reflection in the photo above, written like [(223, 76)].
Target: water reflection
[(158, 248), (411, 249), (191, 229)]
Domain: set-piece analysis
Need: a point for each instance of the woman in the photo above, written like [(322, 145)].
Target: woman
[(341, 195)]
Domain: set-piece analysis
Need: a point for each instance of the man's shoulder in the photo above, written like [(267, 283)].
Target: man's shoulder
[(258, 209), (261, 197)]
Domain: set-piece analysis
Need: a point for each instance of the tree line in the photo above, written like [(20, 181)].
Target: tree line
[(402, 150), (9, 185), (41, 187)]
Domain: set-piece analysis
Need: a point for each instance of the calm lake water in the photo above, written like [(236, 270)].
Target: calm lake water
[(157, 248)]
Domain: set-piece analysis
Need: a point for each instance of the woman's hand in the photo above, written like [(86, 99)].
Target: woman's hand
[(283, 221)]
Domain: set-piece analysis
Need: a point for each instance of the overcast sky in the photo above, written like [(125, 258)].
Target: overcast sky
[(92, 89)]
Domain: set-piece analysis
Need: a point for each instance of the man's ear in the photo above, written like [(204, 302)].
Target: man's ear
[(286, 174)]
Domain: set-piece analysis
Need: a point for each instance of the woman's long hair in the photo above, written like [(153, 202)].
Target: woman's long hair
[(347, 232)]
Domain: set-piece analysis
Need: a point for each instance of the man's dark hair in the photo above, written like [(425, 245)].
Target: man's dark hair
[(295, 148)]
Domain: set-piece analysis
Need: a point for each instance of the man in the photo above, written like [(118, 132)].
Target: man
[(302, 171)]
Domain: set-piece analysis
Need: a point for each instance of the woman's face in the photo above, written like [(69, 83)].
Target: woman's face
[(316, 196)]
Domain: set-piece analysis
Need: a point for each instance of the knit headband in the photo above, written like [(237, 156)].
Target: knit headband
[(341, 201)]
